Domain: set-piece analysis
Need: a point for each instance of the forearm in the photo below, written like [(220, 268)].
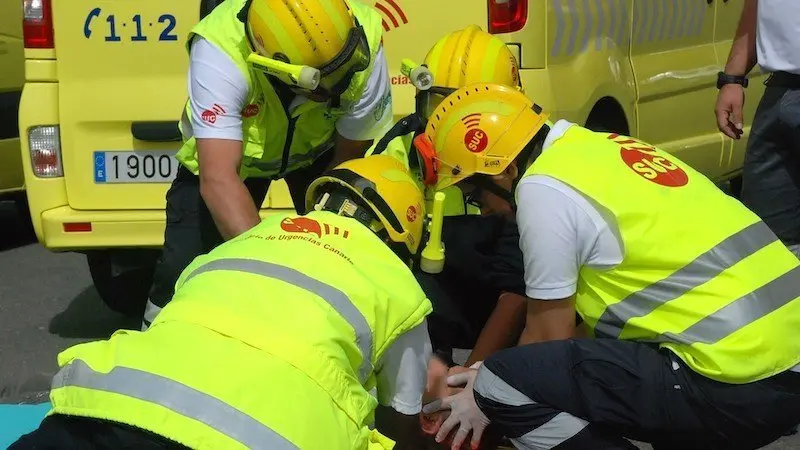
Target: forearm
[(549, 320), (345, 150), (743, 57), (403, 429), (230, 204), (502, 329)]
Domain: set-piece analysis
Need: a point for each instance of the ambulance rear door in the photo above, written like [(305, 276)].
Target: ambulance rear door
[(122, 68)]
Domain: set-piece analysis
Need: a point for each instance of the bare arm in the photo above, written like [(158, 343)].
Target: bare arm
[(742, 57), (549, 320), (346, 150), (225, 194), (503, 328)]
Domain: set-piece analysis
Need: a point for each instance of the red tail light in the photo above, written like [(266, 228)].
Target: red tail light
[(507, 16), (37, 24)]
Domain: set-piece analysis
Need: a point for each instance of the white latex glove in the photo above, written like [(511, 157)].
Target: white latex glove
[(463, 411)]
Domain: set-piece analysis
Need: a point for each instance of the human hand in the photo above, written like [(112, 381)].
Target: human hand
[(464, 412), (435, 388), (455, 370), (728, 109), (436, 384)]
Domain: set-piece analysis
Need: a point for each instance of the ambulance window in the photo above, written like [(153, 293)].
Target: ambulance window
[(206, 6)]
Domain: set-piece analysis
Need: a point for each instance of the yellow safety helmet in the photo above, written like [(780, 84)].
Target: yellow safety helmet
[(469, 56), (479, 129), (380, 193), (319, 34)]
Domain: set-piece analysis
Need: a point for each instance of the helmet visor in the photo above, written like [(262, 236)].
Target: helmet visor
[(432, 98), (337, 73)]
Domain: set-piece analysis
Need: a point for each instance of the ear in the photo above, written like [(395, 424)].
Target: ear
[(512, 170)]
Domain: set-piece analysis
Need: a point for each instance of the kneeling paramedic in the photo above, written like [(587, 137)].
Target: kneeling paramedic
[(274, 339), (478, 298), (277, 90), (693, 301)]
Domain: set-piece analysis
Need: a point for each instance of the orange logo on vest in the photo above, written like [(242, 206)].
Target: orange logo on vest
[(651, 165), (311, 226)]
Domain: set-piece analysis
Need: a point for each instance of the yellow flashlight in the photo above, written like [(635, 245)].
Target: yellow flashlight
[(304, 77)]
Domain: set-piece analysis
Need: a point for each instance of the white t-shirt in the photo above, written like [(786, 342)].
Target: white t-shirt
[(560, 231), (778, 28), (403, 370), (218, 94)]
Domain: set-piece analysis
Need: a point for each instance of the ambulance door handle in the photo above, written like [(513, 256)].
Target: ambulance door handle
[(156, 131)]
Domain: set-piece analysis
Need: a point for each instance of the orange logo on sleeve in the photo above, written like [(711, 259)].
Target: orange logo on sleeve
[(648, 163)]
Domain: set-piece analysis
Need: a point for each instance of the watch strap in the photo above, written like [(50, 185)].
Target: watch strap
[(724, 78)]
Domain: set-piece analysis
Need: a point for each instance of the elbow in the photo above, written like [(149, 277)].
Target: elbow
[(214, 181)]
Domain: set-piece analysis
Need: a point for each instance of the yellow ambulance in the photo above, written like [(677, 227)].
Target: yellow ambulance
[(12, 78), (106, 84)]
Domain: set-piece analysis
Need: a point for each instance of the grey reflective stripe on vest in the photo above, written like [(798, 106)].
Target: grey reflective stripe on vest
[(740, 312), (176, 397), (295, 159), (336, 298), (703, 269)]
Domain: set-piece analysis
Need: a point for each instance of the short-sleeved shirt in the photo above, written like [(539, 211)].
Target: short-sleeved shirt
[(216, 84), (561, 230), (403, 370), (778, 28)]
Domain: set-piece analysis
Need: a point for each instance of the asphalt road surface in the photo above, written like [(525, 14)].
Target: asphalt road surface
[(47, 303)]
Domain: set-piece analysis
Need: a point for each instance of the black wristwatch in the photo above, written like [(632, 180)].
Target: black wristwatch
[(723, 79)]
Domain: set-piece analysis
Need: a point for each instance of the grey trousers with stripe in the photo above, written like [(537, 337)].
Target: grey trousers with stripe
[(597, 393)]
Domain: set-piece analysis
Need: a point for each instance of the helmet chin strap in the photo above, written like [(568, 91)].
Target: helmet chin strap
[(485, 183), (525, 159)]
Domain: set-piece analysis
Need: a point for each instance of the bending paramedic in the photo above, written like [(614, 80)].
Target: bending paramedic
[(478, 298), (274, 339), (692, 300), (277, 90)]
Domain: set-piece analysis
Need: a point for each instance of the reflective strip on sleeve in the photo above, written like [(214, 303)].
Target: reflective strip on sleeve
[(703, 269), (490, 386), (337, 299), (176, 397), (554, 432)]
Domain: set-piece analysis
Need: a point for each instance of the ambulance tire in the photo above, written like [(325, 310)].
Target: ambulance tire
[(122, 278)]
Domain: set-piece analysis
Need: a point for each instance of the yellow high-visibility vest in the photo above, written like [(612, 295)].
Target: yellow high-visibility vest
[(270, 341), (701, 274), (268, 132)]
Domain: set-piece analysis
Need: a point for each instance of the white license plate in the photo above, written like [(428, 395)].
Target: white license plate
[(151, 166)]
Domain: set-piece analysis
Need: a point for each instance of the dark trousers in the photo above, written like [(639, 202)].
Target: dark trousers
[(771, 174), (592, 393), (483, 260), (191, 231), (79, 433)]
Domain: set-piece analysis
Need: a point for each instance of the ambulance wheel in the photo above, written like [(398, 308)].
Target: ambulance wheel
[(123, 277)]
